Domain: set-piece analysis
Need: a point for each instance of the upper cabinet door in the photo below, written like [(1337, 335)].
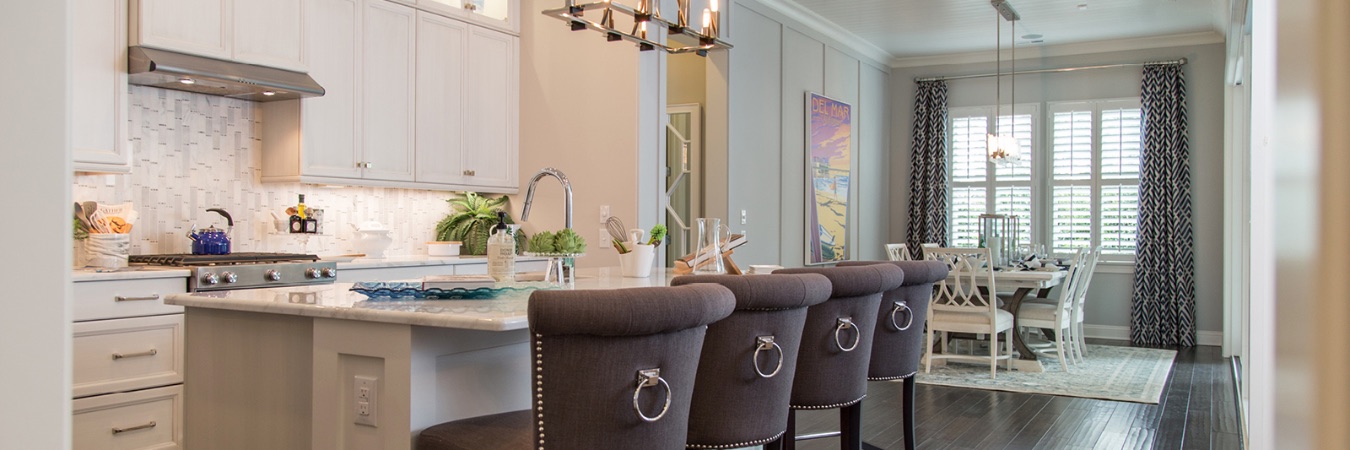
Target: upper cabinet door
[(330, 127), (99, 86), (441, 45), (490, 131), (498, 14), (200, 27), (270, 33), (388, 71)]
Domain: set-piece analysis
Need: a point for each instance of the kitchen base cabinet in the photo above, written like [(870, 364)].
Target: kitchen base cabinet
[(294, 375), (123, 354), (145, 419), (128, 363)]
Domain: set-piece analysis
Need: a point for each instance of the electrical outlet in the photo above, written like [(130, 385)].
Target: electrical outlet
[(365, 399), (604, 213), (743, 217)]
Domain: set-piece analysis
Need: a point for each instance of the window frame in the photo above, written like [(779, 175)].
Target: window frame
[(1095, 182), (1042, 180), (991, 182)]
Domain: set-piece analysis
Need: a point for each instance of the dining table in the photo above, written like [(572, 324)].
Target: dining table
[(1021, 283)]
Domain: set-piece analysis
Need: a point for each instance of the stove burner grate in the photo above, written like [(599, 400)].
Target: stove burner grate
[(185, 259)]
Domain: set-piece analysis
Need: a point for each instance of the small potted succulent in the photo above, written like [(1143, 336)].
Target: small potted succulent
[(471, 221)]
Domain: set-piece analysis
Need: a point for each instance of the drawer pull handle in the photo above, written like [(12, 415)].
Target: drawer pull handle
[(150, 352), (137, 427), (135, 299)]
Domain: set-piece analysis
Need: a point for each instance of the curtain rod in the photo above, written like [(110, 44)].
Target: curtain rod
[(1062, 69)]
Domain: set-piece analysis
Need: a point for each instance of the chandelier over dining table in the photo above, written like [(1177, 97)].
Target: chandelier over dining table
[(1004, 148), (647, 23)]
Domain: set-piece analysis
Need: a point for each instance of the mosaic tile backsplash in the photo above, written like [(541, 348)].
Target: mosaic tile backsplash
[(192, 152)]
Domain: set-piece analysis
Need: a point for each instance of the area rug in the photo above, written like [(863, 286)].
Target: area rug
[(1110, 372)]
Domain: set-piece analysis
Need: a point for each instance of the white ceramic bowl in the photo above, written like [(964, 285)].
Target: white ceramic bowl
[(443, 248)]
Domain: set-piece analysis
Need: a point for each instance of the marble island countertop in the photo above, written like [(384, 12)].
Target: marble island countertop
[(137, 272), (337, 301)]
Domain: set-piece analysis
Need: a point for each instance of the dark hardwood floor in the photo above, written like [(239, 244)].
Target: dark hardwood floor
[(1197, 411)]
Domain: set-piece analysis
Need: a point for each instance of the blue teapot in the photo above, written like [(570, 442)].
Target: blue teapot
[(212, 240)]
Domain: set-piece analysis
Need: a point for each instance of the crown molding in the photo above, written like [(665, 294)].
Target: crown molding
[(824, 26), (1083, 48)]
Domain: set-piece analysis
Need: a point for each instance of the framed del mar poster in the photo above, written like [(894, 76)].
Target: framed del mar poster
[(829, 155)]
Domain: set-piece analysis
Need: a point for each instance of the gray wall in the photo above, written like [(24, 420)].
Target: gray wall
[(774, 64), (1110, 293)]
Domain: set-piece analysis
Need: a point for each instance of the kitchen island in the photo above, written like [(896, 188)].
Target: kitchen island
[(280, 368)]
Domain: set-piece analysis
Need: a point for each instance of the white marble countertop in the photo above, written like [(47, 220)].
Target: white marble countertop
[(419, 260), (145, 272), (130, 273), (336, 301)]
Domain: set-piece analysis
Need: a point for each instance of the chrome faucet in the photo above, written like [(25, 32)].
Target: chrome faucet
[(567, 193)]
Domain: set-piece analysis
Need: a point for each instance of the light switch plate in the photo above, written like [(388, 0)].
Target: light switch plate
[(743, 217)]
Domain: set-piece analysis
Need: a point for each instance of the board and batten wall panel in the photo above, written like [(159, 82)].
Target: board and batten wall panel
[(775, 63), (873, 164), (803, 71), (1108, 311), (841, 83), (754, 135)]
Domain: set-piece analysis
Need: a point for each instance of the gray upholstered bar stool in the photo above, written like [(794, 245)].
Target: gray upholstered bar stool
[(897, 343), (837, 347), (749, 359), (612, 369)]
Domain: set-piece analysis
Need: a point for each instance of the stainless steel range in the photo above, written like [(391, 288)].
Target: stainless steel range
[(246, 270)]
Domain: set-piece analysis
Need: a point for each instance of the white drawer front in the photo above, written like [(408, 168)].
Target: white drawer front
[(126, 298), (127, 354), (148, 419)]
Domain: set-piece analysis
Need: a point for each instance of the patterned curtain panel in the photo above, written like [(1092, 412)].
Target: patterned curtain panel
[(928, 167), (1163, 311)]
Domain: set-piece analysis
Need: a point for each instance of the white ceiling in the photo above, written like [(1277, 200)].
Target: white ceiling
[(919, 28)]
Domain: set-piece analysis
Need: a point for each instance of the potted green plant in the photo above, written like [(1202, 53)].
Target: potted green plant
[(471, 221)]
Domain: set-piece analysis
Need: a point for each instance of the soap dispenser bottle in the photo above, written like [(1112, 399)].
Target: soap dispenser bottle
[(501, 252)]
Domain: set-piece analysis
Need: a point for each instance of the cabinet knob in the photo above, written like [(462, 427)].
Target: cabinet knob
[(364, 165), (469, 173)]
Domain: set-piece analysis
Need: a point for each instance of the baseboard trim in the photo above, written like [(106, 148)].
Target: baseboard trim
[(1118, 332)]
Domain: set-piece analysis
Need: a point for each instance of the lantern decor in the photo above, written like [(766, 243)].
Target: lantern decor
[(1000, 233)]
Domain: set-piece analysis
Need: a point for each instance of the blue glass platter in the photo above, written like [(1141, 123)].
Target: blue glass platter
[(402, 290)]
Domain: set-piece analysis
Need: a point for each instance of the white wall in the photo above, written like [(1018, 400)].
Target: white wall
[(775, 63), (579, 114), (35, 122), (1109, 313)]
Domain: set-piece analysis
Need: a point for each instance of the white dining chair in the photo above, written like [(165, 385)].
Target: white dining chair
[(898, 252), (1080, 300), (959, 306), (1058, 315)]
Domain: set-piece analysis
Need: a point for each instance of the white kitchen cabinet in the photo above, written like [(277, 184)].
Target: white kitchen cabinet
[(490, 131), (147, 419), (467, 111), (501, 15), (127, 364), (270, 33), (412, 102), (99, 86), (388, 63), (442, 45), (263, 32)]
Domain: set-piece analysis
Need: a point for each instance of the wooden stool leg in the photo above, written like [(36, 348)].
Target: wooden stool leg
[(907, 410), (790, 437), (850, 427)]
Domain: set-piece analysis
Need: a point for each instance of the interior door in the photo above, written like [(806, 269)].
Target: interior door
[(684, 184)]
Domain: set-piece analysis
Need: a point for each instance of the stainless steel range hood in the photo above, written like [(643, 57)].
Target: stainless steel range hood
[(183, 72)]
